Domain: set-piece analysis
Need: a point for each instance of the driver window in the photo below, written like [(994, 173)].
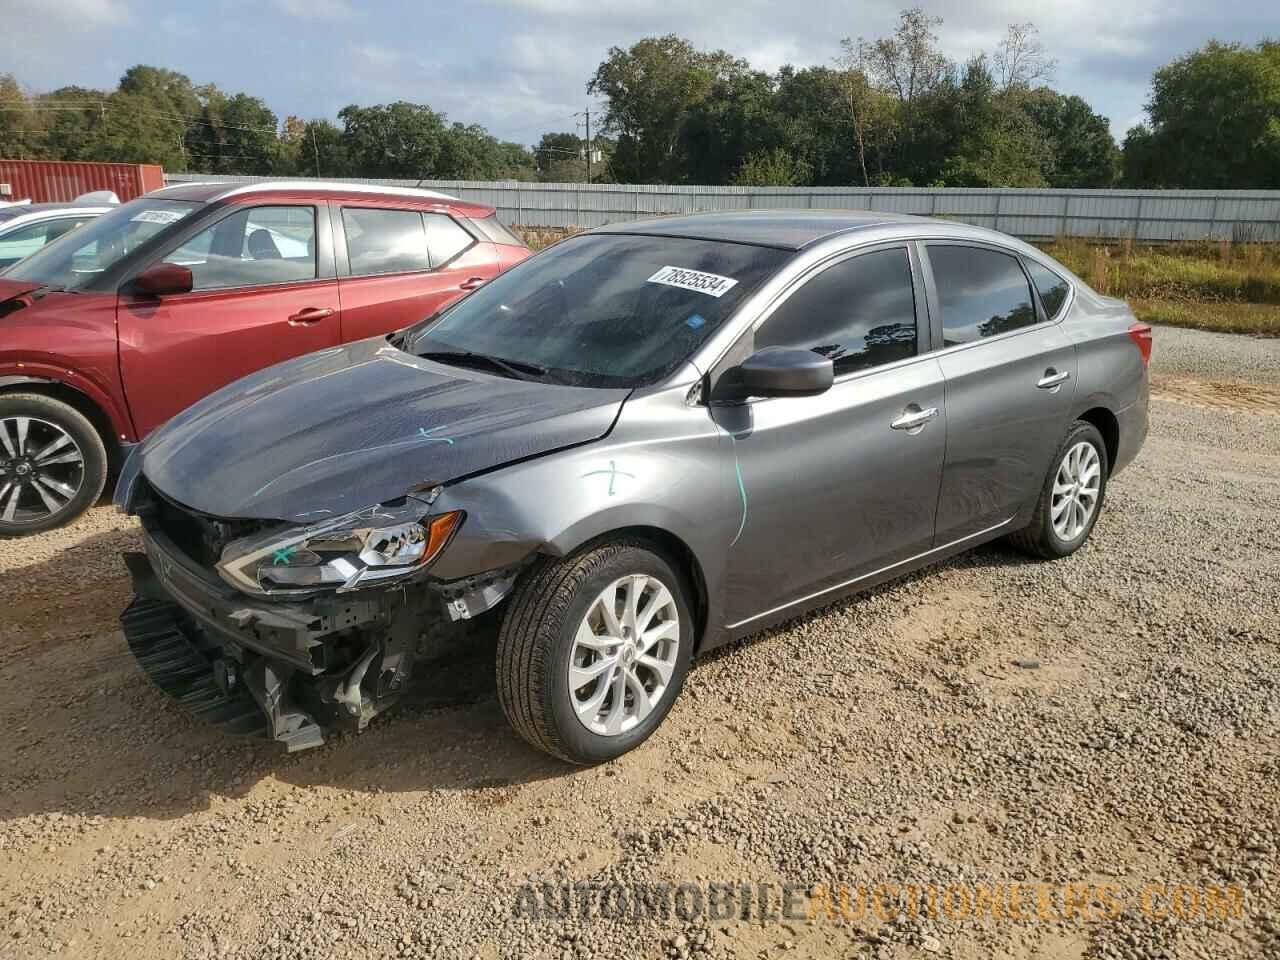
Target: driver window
[(252, 247), (860, 312)]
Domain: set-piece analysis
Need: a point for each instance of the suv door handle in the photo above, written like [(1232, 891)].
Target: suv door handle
[(310, 315), (471, 283), (1052, 379), (913, 418)]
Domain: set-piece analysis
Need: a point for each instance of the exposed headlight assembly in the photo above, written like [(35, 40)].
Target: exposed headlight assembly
[(360, 549)]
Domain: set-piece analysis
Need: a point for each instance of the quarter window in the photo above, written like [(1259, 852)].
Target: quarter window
[(252, 247), (385, 241), (982, 293), (1052, 288), (445, 239), (860, 313)]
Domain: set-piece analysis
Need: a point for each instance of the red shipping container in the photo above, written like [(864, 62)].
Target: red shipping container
[(59, 181)]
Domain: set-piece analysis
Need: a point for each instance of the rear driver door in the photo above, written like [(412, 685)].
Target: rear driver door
[(1010, 377)]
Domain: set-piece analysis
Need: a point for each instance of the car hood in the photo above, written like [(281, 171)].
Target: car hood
[(354, 426), (12, 295)]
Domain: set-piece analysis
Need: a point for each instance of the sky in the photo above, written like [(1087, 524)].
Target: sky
[(520, 67)]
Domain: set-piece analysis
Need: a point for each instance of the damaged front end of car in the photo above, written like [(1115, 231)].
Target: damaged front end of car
[(292, 631)]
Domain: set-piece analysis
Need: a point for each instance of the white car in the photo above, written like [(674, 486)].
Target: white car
[(26, 227)]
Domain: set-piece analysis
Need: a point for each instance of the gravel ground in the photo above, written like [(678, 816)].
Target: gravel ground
[(1109, 719)]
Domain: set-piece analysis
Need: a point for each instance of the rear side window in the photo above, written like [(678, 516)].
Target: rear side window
[(385, 241), (493, 230), (860, 313), (1051, 287), (982, 293), (445, 239)]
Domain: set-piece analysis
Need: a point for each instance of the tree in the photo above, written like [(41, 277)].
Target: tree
[(1020, 60), (71, 118), (909, 62), (1084, 154), (236, 134), (737, 118), (870, 113), (772, 168), (998, 144), (651, 89), (1214, 121), (400, 139), (20, 125)]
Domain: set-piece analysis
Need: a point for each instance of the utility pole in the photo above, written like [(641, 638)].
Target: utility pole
[(316, 147), (586, 115)]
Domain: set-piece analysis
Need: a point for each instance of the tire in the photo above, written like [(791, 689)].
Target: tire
[(72, 476), (1042, 537), (539, 640)]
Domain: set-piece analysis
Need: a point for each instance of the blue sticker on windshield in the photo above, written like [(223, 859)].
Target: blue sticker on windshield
[(695, 321)]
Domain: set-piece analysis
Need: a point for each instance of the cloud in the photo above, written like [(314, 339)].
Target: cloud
[(79, 14), (316, 9)]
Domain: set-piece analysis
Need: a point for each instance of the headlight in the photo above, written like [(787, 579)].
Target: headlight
[(356, 550)]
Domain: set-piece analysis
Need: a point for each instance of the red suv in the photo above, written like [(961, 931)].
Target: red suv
[(114, 328)]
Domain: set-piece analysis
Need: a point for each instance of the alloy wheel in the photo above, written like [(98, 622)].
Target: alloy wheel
[(624, 655), (41, 469), (1075, 491)]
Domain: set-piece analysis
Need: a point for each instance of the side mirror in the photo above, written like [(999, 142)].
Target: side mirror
[(163, 280), (780, 372)]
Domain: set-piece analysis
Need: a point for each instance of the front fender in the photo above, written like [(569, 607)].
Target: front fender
[(681, 484)]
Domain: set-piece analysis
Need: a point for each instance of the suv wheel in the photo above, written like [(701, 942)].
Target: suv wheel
[(594, 650), (53, 464), (1071, 498)]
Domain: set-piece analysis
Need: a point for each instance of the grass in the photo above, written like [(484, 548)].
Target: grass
[(1258, 319), (1228, 287)]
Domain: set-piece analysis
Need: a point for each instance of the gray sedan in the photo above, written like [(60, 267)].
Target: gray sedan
[(642, 443)]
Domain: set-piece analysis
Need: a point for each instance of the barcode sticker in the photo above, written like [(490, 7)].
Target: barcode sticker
[(712, 284)]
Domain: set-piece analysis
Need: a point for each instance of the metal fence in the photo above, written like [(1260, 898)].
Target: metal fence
[(1144, 215)]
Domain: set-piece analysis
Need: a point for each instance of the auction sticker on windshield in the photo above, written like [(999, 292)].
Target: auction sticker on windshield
[(709, 283), (157, 216)]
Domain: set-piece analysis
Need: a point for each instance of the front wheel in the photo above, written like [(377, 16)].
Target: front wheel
[(53, 464), (1071, 497), (593, 651)]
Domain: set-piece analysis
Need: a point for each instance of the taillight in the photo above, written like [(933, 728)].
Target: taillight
[(1140, 333)]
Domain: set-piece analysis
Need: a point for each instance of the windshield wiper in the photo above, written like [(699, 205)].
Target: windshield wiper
[(518, 369)]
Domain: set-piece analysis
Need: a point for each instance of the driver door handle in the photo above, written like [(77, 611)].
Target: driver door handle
[(472, 283), (310, 315), (1053, 379), (914, 419)]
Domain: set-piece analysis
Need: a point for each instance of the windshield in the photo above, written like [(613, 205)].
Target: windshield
[(73, 261), (603, 310)]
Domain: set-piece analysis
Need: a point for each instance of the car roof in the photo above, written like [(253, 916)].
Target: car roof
[(26, 209), (237, 191), (796, 229)]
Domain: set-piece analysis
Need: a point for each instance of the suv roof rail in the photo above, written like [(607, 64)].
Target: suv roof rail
[(264, 185)]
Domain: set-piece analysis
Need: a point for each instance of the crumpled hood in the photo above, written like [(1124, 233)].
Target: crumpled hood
[(350, 427)]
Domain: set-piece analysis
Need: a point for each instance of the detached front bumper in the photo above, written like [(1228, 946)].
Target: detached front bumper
[(290, 672)]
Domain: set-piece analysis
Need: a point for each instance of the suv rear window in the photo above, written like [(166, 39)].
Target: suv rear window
[(491, 229)]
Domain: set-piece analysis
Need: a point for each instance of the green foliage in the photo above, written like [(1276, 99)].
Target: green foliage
[(772, 168), (158, 116), (1214, 121)]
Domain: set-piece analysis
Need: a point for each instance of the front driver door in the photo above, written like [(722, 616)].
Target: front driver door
[(263, 291), (835, 487)]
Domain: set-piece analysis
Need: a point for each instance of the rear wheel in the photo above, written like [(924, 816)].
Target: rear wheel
[(1071, 497), (53, 464), (593, 651)]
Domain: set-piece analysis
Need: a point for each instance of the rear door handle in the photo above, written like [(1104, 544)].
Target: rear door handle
[(1053, 379), (913, 419), (310, 315), (472, 283)]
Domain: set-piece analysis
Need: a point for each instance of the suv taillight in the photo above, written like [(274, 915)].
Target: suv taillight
[(1140, 333)]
